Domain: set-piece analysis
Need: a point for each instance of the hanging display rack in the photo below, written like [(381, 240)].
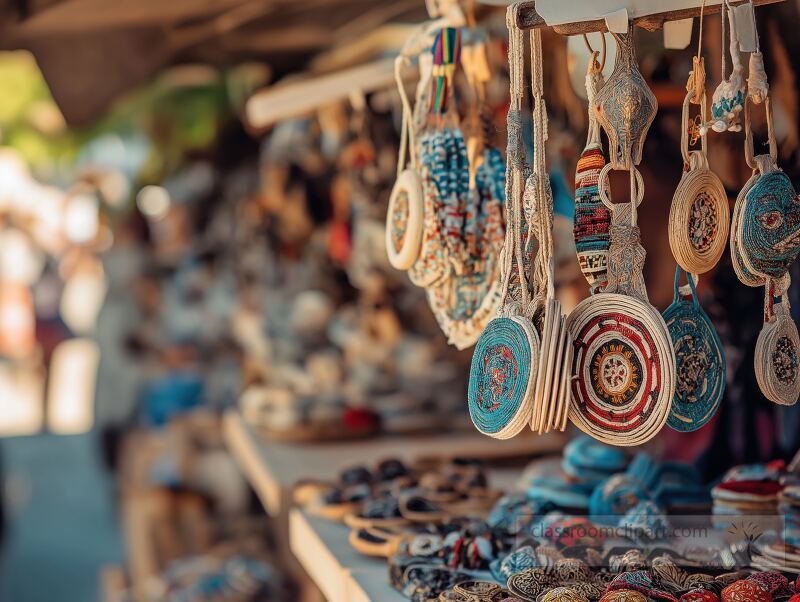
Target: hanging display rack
[(529, 18)]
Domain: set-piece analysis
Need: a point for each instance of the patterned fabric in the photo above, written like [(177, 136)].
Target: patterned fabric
[(746, 590), (592, 219), (699, 595), (700, 362), (615, 497)]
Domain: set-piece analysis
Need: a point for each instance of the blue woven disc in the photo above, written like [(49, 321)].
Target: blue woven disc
[(700, 363), (502, 371), (771, 224)]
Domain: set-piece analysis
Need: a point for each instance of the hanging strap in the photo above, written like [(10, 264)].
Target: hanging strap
[(594, 81), (680, 291), (542, 201), (763, 163), (515, 298), (407, 135)]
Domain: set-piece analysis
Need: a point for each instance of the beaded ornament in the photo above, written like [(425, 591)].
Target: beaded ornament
[(625, 107), (728, 99), (700, 360), (464, 303), (592, 219)]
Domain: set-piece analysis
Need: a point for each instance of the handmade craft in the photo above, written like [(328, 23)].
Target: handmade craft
[(777, 353), (768, 233), (700, 367), (464, 303), (623, 368), (506, 357), (405, 215), (550, 396), (625, 107), (728, 99), (592, 219), (699, 215)]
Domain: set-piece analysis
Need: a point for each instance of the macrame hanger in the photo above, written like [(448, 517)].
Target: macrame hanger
[(517, 297), (688, 289), (763, 163), (697, 77), (407, 136), (694, 159), (757, 84), (542, 200), (594, 81)]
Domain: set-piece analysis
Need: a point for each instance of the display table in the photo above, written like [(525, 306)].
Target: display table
[(273, 468), (320, 546), (338, 570)]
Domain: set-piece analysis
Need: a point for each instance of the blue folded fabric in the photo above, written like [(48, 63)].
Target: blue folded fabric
[(615, 497), (558, 493), (583, 452)]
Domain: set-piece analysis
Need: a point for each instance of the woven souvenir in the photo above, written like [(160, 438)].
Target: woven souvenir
[(464, 303), (728, 99), (592, 219), (699, 215), (563, 594), (745, 275), (623, 595), (404, 216), (549, 407), (745, 590), (700, 367), (433, 263), (625, 107), (623, 368), (777, 353), (769, 228), (505, 360)]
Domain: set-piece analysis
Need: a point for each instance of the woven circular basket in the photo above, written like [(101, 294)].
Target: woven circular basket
[(700, 360), (623, 369), (745, 275), (404, 221), (502, 377), (770, 225), (777, 353), (699, 216)]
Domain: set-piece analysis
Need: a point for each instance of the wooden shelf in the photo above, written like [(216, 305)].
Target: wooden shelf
[(529, 18), (273, 468)]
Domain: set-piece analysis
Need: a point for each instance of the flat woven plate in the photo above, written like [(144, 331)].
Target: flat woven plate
[(502, 377), (623, 369), (700, 363)]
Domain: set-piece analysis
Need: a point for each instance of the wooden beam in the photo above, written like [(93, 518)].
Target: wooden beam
[(529, 18), (298, 98)]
